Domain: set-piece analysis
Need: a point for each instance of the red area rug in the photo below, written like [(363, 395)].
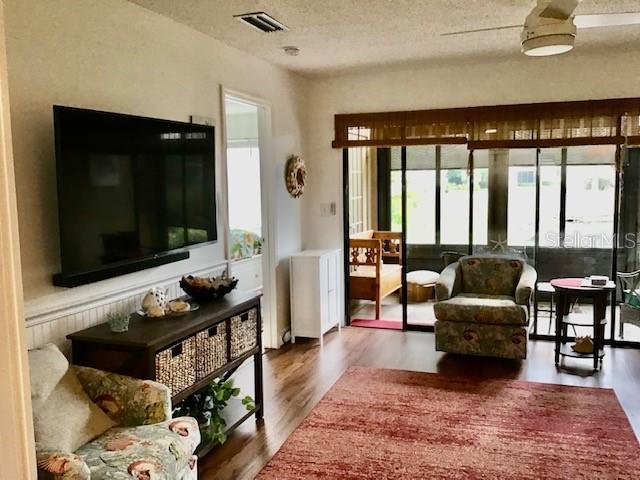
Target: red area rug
[(394, 424), (388, 324)]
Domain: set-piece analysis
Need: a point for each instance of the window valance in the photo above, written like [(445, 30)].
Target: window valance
[(615, 121)]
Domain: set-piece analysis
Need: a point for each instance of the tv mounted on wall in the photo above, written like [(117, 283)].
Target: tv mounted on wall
[(133, 192)]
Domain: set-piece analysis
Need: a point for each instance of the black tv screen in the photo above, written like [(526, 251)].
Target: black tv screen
[(130, 188)]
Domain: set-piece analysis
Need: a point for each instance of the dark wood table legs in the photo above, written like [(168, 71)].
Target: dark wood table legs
[(257, 369), (567, 292), (599, 316), (560, 313)]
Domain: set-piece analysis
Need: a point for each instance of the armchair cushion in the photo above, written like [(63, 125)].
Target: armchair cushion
[(490, 275), (53, 464), (448, 284), (147, 444), (47, 366), (66, 419), (501, 341), (163, 451), (526, 285), (478, 308), (129, 402)]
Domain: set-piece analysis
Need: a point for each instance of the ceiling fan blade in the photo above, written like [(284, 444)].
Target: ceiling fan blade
[(560, 9), (477, 30), (607, 20)]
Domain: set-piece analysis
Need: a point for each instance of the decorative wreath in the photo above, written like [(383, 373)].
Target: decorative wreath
[(294, 175)]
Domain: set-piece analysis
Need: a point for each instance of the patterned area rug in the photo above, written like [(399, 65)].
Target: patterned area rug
[(394, 424)]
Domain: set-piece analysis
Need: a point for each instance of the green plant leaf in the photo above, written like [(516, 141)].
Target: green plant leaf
[(207, 406)]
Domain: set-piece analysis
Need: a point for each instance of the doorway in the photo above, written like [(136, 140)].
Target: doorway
[(248, 239)]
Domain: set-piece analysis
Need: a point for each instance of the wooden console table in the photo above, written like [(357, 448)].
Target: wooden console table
[(185, 352)]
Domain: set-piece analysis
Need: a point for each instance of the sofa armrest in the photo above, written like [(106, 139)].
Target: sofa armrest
[(448, 285), (58, 465), (128, 401), (526, 285)]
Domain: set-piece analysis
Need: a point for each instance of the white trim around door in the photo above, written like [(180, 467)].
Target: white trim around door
[(17, 456), (269, 231)]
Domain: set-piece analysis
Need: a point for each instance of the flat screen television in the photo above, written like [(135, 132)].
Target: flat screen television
[(133, 192)]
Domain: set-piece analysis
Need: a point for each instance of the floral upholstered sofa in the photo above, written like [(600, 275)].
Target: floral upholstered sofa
[(483, 305), (141, 441)]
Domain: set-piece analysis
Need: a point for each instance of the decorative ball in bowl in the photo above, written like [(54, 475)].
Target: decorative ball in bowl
[(205, 289)]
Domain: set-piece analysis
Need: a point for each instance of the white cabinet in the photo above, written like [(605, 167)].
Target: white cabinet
[(314, 293)]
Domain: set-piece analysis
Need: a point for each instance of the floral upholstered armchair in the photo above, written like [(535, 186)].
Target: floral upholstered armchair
[(145, 443), (483, 305)]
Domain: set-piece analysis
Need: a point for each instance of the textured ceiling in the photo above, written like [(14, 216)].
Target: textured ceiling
[(342, 35)]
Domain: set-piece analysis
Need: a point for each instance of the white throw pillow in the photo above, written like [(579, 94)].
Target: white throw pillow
[(47, 366), (65, 419)]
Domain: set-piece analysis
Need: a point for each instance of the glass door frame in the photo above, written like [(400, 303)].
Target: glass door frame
[(612, 341), (438, 214), (562, 229)]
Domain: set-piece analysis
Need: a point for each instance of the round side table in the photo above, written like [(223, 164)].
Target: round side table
[(568, 289)]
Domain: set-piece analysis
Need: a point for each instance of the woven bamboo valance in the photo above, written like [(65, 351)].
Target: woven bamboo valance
[(505, 126)]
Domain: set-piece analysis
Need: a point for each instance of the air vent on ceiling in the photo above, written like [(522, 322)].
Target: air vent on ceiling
[(261, 21)]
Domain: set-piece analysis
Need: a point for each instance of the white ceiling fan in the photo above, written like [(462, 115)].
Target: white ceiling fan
[(550, 28)]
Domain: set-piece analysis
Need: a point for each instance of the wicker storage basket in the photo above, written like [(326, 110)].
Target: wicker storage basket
[(244, 333), (211, 350), (176, 365)]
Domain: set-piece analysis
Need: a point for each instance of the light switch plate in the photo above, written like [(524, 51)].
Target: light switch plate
[(328, 209)]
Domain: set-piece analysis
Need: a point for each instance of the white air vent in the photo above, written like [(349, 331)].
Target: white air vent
[(261, 21)]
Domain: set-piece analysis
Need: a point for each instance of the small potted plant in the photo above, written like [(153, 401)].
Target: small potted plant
[(118, 322), (257, 245), (207, 406)]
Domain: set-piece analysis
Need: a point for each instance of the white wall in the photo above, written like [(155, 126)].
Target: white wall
[(525, 80), (116, 56)]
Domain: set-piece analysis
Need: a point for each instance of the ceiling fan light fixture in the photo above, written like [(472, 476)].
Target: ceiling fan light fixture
[(542, 37), (548, 45)]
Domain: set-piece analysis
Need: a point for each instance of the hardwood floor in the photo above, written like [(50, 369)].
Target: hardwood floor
[(297, 376)]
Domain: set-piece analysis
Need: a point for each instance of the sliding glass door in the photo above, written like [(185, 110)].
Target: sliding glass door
[(438, 189), (521, 202), (455, 194), (480, 201), (554, 207), (577, 211), (375, 266), (627, 326)]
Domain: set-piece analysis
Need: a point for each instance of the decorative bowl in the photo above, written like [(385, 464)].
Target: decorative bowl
[(205, 289)]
